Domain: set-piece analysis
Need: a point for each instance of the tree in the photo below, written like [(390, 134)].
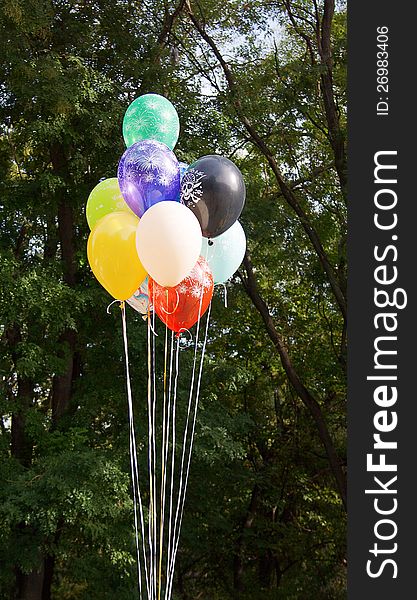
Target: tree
[(262, 508)]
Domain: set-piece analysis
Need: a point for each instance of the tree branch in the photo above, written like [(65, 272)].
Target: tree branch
[(303, 393), (286, 191), (324, 48)]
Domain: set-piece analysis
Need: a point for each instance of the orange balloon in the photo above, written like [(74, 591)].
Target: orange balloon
[(112, 254), (181, 306)]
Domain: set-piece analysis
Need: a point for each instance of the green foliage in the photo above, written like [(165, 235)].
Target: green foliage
[(261, 498)]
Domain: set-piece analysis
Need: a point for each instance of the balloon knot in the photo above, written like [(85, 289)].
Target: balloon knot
[(114, 302), (183, 330)]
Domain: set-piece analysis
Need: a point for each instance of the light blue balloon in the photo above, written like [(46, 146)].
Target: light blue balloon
[(225, 252), (183, 167)]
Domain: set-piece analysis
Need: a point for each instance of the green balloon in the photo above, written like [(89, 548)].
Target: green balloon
[(151, 117), (105, 198)]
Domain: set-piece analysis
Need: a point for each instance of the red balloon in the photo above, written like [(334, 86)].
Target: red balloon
[(179, 306)]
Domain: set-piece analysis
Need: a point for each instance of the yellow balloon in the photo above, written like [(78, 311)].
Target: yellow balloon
[(112, 254), (105, 198)]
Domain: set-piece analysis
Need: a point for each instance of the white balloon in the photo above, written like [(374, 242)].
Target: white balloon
[(168, 241)]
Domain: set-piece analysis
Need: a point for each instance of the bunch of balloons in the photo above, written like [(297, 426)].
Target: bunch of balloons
[(165, 230)]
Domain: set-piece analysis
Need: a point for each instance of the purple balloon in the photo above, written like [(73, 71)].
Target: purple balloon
[(148, 173)]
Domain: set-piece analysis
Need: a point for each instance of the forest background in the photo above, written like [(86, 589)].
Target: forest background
[(263, 83)]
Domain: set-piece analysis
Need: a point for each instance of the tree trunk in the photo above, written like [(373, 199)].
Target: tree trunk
[(49, 567), (29, 586), (266, 569), (303, 393), (21, 446), (63, 384), (238, 566), (37, 584), (336, 136)]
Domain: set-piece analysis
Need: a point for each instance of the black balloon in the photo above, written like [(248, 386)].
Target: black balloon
[(213, 188)]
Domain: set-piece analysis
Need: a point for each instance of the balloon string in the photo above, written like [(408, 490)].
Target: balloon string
[(183, 330), (163, 473), (168, 429), (150, 467), (181, 480), (173, 448), (111, 304), (154, 402), (137, 499), (176, 306), (225, 293), (181, 489), (192, 434), (153, 330)]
